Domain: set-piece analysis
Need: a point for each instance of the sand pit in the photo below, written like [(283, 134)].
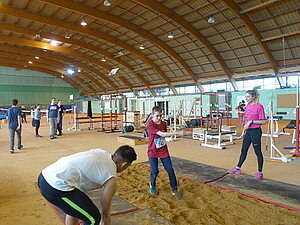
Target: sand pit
[(200, 204)]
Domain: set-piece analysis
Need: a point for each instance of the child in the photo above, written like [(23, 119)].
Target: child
[(157, 148)]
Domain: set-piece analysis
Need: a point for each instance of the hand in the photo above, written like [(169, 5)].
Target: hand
[(247, 124), (18, 127), (242, 136)]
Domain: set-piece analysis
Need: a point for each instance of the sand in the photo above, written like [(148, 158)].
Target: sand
[(200, 203)]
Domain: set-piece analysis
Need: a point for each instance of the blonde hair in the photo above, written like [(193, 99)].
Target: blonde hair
[(254, 94)]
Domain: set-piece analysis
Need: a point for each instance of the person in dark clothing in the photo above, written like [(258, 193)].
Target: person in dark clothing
[(13, 115), (61, 112)]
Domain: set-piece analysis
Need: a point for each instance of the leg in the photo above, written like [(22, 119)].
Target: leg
[(19, 138), (154, 170), (75, 203), (168, 167), (59, 129), (11, 138), (256, 142), (71, 220), (37, 126), (244, 150)]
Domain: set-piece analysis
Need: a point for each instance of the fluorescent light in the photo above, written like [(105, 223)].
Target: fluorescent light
[(106, 3), (36, 57), (30, 62), (103, 59), (170, 34)]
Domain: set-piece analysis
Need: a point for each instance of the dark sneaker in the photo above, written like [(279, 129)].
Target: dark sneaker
[(20, 147), (12, 151), (38, 136), (59, 134), (176, 194)]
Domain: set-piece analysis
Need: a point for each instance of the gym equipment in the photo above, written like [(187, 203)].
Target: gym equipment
[(218, 135), (274, 151), (126, 129)]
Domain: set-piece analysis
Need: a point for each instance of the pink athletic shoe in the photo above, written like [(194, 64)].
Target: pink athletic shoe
[(234, 170), (258, 176)]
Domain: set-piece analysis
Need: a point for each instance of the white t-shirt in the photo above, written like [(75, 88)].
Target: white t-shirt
[(85, 170)]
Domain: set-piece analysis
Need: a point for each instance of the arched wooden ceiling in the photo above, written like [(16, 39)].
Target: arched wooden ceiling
[(247, 38)]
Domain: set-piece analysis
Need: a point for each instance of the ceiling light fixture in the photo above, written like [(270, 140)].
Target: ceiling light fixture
[(106, 3), (53, 43), (210, 19), (67, 35), (79, 70), (36, 57), (121, 52), (170, 34), (38, 35), (103, 59), (70, 71), (83, 23), (30, 62), (142, 46), (62, 76)]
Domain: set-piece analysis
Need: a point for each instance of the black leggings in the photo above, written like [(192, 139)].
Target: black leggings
[(74, 203), (37, 126), (252, 136)]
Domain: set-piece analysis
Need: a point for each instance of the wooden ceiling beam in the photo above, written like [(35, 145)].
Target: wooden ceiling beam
[(6, 10), (255, 32), (157, 6), (15, 64), (42, 45), (59, 65), (259, 6), (102, 15), (48, 55)]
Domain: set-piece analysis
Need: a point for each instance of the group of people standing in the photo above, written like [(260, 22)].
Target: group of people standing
[(16, 117)]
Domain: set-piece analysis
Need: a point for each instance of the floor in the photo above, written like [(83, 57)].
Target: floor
[(21, 203)]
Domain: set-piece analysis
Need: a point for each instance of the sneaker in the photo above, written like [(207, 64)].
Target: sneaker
[(176, 194), (59, 135), (234, 170), (12, 151), (258, 176), (38, 136), (152, 190), (19, 148)]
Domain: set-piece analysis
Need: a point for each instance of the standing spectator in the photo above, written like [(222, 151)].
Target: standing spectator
[(37, 120), (13, 115), (32, 115), (254, 118), (52, 113), (61, 112), (23, 115), (157, 148)]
